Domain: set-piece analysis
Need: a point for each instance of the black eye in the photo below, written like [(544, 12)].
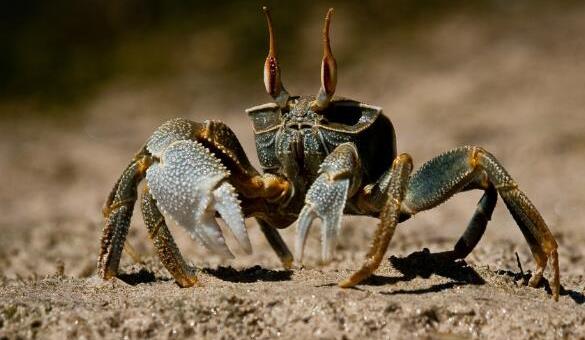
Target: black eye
[(343, 113)]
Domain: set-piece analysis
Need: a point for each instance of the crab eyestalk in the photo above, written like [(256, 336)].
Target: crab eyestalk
[(328, 69), (272, 80)]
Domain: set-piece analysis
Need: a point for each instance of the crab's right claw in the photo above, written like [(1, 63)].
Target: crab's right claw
[(189, 185), (325, 200)]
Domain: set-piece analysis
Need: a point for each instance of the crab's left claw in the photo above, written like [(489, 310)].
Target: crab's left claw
[(189, 185), (339, 175), (325, 200)]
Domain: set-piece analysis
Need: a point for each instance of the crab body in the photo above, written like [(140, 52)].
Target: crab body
[(321, 157), (293, 142)]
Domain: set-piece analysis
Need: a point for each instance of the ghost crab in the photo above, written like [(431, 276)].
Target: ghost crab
[(321, 157)]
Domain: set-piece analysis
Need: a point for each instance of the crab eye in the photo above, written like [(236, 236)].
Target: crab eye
[(343, 114), (272, 80), (328, 69)]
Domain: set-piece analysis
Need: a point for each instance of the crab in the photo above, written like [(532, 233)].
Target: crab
[(321, 157)]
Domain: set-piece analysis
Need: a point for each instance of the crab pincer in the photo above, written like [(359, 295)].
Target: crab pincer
[(189, 185), (326, 198)]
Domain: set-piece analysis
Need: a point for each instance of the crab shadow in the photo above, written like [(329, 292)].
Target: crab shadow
[(246, 275), (142, 276), (424, 264), (578, 297), (249, 275)]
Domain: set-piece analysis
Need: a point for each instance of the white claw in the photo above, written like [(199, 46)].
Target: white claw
[(228, 206), (206, 230), (329, 234), (306, 218), (325, 200), (189, 185)]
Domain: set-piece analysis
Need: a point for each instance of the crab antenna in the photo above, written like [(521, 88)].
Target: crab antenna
[(272, 80), (328, 68)]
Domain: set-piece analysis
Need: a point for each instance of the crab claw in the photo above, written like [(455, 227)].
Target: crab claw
[(325, 200), (189, 185)]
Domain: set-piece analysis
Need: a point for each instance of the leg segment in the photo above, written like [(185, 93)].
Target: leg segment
[(163, 241), (453, 171), (389, 217), (117, 212), (541, 241), (277, 243), (477, 224)]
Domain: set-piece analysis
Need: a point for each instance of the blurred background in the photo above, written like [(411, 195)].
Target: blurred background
[(84, 83)]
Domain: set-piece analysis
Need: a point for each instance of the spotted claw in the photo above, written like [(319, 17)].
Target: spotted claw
[(325, 200), (190, 185)]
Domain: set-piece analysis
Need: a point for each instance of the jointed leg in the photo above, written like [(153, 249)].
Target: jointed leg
[(453, 171), (163, 241), (277, 243), (389, 217), (477, 224), (118, 211), (531, 223)]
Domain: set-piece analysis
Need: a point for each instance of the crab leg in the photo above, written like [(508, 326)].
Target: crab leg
[(389, 218), (442, 177), (163, 241), (118, 211), (477, 224), (277, 243)]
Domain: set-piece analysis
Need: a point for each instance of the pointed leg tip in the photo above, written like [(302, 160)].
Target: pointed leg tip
[(556, 290), (98, 280), (353, 280), (106, 273), (188, 281), (536, 278), (347, 283), (357, 277), (287, 263), (534, 282)]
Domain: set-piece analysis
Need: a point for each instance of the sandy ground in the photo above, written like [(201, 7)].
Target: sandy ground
[(515, 88)]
